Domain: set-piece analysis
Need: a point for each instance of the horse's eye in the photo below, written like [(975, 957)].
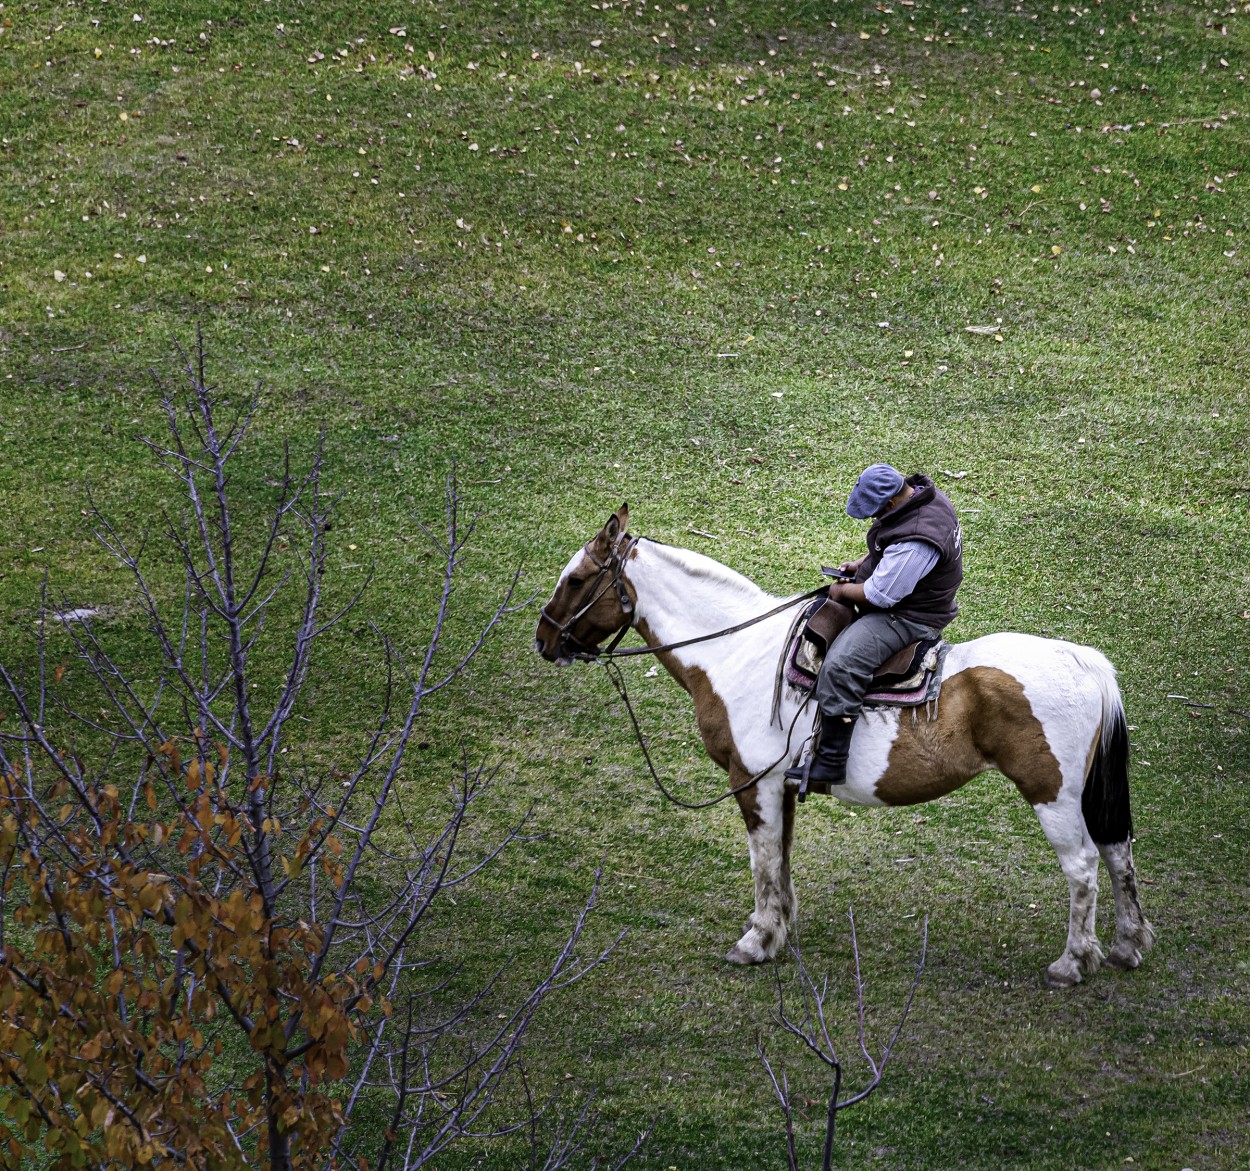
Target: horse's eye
[(576, 583)]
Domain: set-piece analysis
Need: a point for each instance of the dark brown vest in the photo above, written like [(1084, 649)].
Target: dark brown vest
[(928, 516)]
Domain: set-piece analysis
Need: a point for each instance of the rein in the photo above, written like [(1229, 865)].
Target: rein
[(612, 653), (613, 569), (613, 672)]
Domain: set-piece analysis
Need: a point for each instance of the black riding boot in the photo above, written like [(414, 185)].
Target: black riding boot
[(827, 765)]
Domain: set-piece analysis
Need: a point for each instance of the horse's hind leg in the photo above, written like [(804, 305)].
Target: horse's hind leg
[(1133, 934), (1065, 829)]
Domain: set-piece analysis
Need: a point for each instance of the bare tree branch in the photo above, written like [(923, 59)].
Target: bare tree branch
[(811, 1028), (159, 826)]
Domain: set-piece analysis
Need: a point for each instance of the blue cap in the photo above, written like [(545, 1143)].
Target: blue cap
[(874, 489)]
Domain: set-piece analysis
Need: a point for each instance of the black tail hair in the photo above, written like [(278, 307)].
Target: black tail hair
[(1105, 800)]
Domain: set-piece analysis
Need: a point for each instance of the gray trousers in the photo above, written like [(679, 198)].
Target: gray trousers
[(856, 653)]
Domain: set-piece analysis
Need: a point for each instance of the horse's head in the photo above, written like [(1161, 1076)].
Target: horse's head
[(592, 599)]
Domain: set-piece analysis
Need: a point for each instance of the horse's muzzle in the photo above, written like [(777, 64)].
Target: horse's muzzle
[(552, 646), (550, 654)]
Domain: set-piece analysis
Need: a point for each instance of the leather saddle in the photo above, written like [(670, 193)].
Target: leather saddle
[(903, 679)]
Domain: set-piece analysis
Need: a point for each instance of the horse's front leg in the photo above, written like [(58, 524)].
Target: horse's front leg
[(768, 811)]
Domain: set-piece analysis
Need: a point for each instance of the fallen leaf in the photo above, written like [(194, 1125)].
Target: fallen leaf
[(986, 330), (58, 275)]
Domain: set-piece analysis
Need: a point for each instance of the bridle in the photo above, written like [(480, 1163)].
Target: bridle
[(614, 570)]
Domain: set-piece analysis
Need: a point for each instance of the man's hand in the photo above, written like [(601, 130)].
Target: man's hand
[(850, 568), (848, 593)]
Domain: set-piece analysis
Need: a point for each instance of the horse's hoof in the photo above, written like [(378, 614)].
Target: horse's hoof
[(1063, 973), (740, 955), (1126, 956)]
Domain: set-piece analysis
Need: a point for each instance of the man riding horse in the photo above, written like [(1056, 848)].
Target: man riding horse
[(1047, 714), (904, 588)]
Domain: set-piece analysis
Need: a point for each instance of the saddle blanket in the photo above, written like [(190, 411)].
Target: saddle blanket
[(915, 681)]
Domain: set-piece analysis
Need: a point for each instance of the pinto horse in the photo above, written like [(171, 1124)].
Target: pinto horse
[(1045, 713)]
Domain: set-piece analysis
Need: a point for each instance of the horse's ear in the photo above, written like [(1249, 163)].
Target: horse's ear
[(608, 536), (616, 524)]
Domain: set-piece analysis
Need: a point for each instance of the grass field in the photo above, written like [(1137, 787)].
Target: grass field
[(710, 259)]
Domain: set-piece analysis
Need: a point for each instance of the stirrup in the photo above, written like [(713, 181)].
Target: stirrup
[(824, 788), (807, 785), (796, 776)]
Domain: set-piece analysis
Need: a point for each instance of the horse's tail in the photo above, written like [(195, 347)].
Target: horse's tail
[(1105, 798)]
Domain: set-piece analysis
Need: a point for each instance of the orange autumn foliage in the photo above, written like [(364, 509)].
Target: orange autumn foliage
[(117, 984)]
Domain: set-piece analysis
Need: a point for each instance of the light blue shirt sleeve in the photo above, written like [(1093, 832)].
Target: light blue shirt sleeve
[(900, 569)]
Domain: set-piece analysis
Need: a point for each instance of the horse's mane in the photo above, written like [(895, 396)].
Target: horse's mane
[(700, 565)]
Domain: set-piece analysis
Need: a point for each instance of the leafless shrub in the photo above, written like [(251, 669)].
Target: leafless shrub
[(811, 1027)]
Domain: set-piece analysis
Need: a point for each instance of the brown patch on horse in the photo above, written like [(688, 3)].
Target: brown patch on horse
[(713, 719), (1013, 738), (709, 708), (984, 720)]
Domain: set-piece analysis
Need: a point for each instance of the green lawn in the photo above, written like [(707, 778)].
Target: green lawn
[(712, 260)]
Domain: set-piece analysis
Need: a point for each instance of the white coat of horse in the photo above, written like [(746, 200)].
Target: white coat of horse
[(1045, 713)]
